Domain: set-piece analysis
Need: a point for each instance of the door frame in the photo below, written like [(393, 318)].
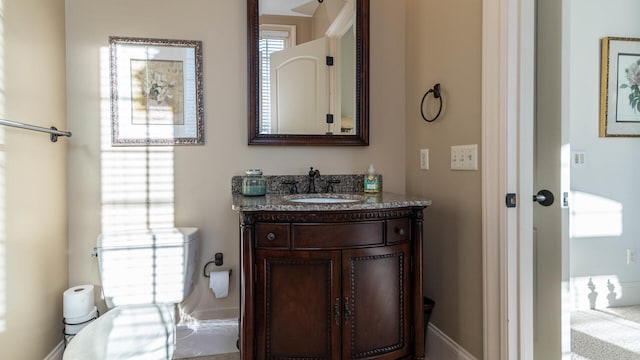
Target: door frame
[(508, 65)]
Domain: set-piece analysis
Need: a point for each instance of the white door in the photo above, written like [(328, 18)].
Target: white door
[(299, 89), (550, 223), (524, 137)]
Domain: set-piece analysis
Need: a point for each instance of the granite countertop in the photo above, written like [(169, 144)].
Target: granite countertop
[(282, 202)]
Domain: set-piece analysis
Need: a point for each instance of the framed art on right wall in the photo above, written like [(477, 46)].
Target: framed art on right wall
[(620, 87)]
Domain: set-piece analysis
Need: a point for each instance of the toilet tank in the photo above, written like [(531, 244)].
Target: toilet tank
[(149, 266)]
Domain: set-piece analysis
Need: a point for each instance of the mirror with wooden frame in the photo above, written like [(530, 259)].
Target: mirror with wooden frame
[(308, 72)]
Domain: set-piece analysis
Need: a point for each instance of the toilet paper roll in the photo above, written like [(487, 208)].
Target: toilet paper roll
[(219, 283), (78, 301), (73, 325)]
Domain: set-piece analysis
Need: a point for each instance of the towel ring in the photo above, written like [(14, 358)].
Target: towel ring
[(436, 95)]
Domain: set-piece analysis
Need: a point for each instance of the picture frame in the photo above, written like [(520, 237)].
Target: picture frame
[(620, 87), (156, 92)]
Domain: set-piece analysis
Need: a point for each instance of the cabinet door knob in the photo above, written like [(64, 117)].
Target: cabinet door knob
[(400, 231), (271, 236)]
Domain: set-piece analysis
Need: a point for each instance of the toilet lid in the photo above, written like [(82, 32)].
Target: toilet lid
[(126, 332)]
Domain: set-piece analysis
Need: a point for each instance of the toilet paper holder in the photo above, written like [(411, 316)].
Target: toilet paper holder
[(218, 260)]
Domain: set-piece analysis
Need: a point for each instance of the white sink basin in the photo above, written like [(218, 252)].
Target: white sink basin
[(324, 200)]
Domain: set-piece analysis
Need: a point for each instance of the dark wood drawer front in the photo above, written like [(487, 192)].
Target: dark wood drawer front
[(272, 236), (328, 236), (398, 230)]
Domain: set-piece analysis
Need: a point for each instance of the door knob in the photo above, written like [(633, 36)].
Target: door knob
[(544, 197)]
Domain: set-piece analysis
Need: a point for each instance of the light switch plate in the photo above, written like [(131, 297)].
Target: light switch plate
[(464, 157), (424, 159)]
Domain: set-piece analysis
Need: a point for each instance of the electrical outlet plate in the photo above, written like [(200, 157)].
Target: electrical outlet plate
[(578, 159), (631, 256), (464, 157), (424, 159)]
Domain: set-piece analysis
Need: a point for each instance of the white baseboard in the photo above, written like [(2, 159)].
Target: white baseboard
[(599, 292), (56, 353), (224, 313), (631, 292), (440, 347)]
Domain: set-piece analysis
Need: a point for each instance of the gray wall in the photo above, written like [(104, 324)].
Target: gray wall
[(612, 168)]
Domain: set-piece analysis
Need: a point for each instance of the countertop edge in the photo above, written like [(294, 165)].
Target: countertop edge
[(278, 202)]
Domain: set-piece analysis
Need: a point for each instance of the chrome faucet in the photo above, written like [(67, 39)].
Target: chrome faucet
[(312, 176)]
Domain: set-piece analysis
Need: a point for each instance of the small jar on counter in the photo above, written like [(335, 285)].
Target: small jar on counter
[(254, 183)]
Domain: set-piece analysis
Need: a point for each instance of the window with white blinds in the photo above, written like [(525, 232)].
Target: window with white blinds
[(273, 38)]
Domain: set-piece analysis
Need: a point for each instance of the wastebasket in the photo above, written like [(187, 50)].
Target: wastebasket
[(428, 308)]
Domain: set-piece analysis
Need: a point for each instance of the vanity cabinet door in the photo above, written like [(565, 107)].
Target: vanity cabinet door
[(376, 295), (298, 304)]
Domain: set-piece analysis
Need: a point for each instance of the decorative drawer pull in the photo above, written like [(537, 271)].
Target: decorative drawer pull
[(400, 231), (271, 236), (336, 311), (347, 310)]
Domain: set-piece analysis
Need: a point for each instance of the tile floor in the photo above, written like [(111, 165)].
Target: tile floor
[(231, 356)]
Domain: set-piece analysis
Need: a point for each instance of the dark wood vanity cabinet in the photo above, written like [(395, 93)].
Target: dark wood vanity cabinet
[(334, 285)]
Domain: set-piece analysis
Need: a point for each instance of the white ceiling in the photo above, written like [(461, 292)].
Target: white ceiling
[(287, 7)]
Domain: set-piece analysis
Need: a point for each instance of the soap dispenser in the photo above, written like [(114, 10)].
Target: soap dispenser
[(371, 181)]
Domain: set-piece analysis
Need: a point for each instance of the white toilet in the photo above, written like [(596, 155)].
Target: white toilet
[(144, 274)]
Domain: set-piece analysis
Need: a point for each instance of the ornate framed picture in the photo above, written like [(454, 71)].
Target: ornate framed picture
[(620, 87), (156, 92)]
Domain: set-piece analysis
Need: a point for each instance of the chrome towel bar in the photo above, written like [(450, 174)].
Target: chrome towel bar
[(53, 131)]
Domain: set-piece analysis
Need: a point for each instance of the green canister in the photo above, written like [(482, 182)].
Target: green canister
[(254, 183)]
